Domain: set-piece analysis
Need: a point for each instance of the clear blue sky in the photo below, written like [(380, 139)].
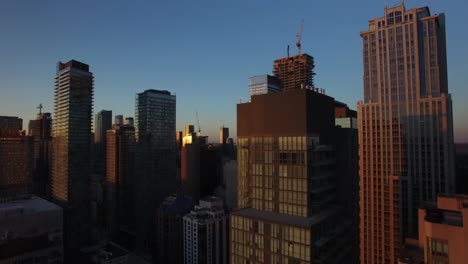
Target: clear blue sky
[(204, 51)]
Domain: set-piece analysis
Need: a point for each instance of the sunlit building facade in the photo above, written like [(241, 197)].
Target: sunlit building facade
[(405, 128), (287, 204)]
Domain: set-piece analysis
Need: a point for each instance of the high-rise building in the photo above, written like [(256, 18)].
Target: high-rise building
[(16, 162), (295, 72), (155, 121), (11, 123), (223, 134), (205, 233), (129, 121), (102, 123), (71, 150), (118, 120), (405, 127), (31, 127), (263, 84), (120, 169), (32, 231), (170, 245), (42, 135)]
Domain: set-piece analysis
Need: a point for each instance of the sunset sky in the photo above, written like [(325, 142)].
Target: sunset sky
[(203, 51)]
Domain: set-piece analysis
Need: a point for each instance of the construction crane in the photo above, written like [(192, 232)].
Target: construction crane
[(198, 121), (299, 37), (40, 108)]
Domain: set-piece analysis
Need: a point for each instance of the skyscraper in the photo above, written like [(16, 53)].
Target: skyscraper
[(102, 123), (120, 166), (223, 134), (42, 134), (289, 211), (405, 127), (71, 146), (155, 120), (295, 72), (118, 120)]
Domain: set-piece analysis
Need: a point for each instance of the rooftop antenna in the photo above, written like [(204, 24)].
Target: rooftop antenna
[(40, 108), (299, 37)]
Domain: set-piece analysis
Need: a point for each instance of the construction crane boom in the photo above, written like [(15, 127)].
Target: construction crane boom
[(299, 37), (198, 122)]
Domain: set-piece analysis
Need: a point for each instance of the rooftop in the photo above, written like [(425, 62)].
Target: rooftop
[(26, 205)]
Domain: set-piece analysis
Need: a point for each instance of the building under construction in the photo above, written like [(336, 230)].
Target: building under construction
[(295, 72)]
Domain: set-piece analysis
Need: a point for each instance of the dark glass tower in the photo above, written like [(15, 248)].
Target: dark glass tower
[(71, 145), (405, 127), (155, 120)]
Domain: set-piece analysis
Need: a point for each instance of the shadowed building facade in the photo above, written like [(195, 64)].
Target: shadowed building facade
[(405, 128), (42, 135), (155, 179), (71, 144)]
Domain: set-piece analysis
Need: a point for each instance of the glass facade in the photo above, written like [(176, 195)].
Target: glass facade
[(263, 84)]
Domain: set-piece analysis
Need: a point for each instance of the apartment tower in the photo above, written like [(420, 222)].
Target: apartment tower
[(405, 128), (155, 121), (71, 145)]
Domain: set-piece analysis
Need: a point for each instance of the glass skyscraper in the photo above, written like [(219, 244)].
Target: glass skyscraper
[(71, 132), (405, 128), (155, 121)]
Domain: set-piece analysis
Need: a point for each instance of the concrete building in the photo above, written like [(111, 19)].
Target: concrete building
[(32, 231), (120, 185), (16, 162), (118, 120), (155, 121), (289, 211), (223, 135), (443, 233), (405, 127), (295, 72), (42, 135), (170, 246), (129, 121), (205, 233), (263, 84), (71, 151), (11, 123)]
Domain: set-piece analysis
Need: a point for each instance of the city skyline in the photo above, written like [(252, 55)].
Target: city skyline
[(165, 47)]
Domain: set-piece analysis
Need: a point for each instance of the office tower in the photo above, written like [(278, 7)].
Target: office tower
[(31, 127), (190, 170), (405, 127), (120, 168), (71, 150), (42, 135), (32, 231), (102, 123), (155, 120), (11, 123), (170, 246), (118, 120), (16, 163), (223, 134), (129, 121), (263, 84), (295, 72), (205, 237), (347, 173), (287, 183)]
